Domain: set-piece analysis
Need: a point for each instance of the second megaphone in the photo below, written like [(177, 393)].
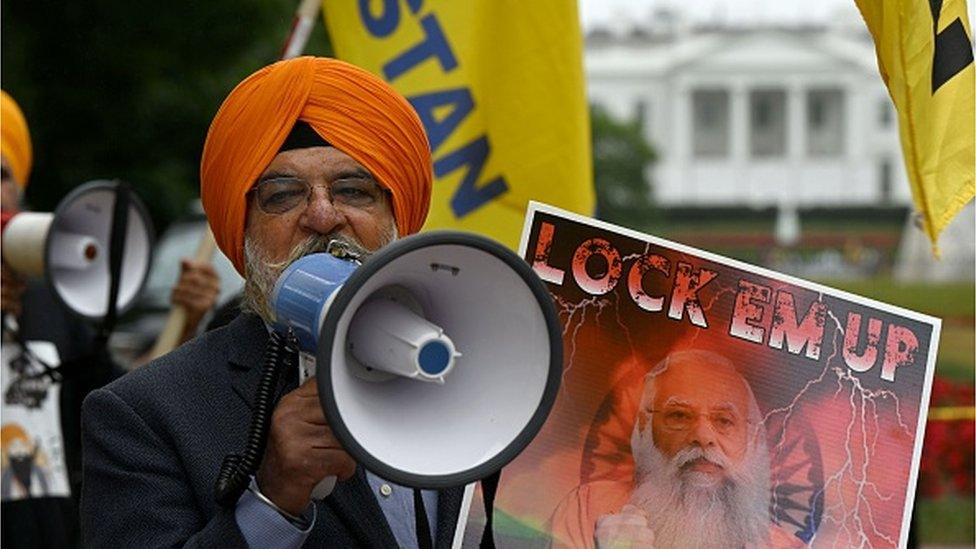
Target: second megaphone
[(438, 359), (71, 247)]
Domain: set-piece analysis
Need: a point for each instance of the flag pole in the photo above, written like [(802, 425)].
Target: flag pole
[(301, 28)]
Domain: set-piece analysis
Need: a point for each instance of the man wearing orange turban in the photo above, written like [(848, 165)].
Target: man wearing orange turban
[(301, 153), (348, 108)]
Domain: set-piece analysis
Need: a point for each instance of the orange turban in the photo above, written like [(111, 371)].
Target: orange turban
[(11, 432), (15, 142), (351, 109)]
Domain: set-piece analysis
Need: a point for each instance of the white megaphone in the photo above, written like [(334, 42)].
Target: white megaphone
[(438, 359), (71, 248)]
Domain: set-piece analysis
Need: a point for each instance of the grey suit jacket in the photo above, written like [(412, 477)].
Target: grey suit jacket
[(155, 438)]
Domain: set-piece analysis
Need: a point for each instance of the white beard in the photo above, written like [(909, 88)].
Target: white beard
[(261, 274), (691, 509)]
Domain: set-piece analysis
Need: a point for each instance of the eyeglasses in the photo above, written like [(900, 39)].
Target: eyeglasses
[(282, 194), (684, 419)]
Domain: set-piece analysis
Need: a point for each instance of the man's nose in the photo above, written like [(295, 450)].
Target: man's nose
[(703, 433), (320, 215)]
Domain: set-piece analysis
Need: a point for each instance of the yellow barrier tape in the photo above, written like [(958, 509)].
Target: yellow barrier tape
[(952, 413)]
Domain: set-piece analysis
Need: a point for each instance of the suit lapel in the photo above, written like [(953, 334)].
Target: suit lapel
[(245, 360)]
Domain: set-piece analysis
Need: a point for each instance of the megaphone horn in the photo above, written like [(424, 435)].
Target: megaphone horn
[(456, 310), (71, 248)]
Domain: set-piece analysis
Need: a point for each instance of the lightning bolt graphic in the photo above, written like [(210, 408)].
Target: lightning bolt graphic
[(849, 520), (574, 314), (707, 307)]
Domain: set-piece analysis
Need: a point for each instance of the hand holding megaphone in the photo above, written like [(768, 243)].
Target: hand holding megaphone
[(301, 451), (391, 390)]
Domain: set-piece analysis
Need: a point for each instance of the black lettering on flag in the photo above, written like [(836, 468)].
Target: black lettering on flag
[(952, 50)]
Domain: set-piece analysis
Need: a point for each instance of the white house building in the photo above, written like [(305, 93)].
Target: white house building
[(762, 116)]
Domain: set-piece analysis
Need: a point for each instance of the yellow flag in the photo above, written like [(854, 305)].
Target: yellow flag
[(926, 59), (499, 87)]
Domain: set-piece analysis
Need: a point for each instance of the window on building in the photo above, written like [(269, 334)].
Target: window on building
[(767, 131), (886, 113), (825, 122), (710, 132)]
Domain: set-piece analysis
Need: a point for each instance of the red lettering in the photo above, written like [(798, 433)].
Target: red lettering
[(747, 317), (808, 333), (607, 280), (635, 281), (864, 361), (540, 262), (685, 294), (900, 350)]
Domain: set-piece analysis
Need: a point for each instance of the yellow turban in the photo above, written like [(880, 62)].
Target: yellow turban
[(351, 109), (15, 142)]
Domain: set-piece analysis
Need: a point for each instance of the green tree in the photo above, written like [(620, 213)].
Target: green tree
[(620, 157), (127, 88)]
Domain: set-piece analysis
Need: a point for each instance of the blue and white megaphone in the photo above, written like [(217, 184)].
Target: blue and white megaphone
[(437, 360)]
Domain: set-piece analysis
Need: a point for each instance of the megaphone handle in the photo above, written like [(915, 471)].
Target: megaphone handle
[(306, 369), (324, 488)]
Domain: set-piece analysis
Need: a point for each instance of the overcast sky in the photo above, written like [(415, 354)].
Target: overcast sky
[(595, 12)]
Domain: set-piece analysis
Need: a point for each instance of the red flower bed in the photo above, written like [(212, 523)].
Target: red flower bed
[(947, 455)]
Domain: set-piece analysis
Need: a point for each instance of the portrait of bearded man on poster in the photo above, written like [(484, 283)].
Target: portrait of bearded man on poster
[(701, 468)]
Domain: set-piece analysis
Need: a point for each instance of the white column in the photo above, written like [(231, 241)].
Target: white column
[(796, 145), (796, 123), (654, 129), (862, 164), (683, 185), (739, 121)]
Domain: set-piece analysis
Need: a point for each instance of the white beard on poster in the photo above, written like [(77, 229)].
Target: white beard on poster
[(71, 247), (437, 359)]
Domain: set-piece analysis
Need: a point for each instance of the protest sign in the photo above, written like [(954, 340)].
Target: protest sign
[(707, 401), (31, 442)]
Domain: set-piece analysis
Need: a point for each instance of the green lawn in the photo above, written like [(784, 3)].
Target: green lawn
[(947, 520), (956, 348), (941, 300)]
